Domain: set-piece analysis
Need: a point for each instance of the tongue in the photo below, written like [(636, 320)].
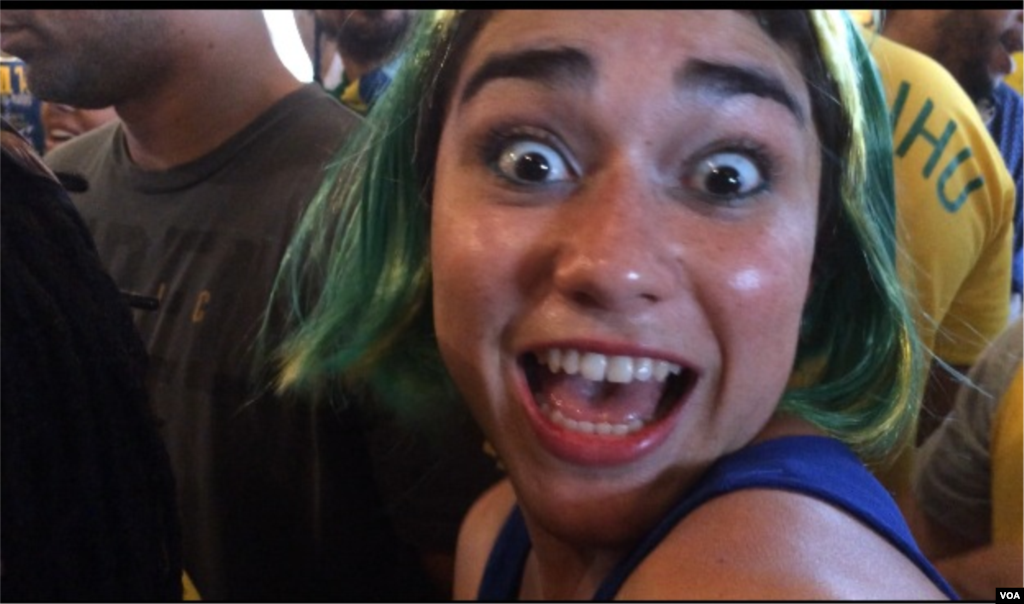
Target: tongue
[(581, 399)]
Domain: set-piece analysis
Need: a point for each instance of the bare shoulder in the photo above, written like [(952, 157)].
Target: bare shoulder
[(772, 544), (476, 537)]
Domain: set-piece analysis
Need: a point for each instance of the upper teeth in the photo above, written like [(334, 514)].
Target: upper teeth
[(599, 367)]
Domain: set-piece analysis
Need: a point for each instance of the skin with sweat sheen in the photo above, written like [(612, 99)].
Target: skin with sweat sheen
[(571, 214)]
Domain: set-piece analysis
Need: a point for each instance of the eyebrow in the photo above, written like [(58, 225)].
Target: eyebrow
[(569, 66), (557, 66), (732, 80)]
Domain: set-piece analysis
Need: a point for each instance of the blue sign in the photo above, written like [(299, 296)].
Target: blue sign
[(17, 104)]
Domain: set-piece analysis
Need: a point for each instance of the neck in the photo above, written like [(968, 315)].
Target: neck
[(205, 98), (914, 30)]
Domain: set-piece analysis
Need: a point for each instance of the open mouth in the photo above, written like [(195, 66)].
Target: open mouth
[(604, 395)]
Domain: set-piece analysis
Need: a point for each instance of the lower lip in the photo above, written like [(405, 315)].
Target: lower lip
[(590, 449)]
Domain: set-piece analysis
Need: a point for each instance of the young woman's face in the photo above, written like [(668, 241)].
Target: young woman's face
[(622, 235), (63, 122)]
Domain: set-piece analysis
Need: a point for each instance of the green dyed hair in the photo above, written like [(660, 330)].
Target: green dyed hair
[(357, 277)]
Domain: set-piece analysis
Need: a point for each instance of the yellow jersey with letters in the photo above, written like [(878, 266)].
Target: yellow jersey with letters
[(954, 213), (954, 205)]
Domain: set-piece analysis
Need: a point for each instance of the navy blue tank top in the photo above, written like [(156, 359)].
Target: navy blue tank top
[(812, 465)]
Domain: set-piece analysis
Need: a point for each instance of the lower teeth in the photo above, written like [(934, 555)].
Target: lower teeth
[(587, 427)]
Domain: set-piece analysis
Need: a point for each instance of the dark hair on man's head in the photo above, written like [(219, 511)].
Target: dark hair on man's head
[(89, 505)]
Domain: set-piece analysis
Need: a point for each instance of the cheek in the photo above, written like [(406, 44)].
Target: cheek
[(769, 293), (760, 294), (758, 308), (481, 251), (469, 261), (454, 252), (748, 280), (459, 295), (776, 279), (475, 296)]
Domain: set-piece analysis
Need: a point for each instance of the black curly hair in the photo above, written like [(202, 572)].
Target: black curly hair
[(89, 507)]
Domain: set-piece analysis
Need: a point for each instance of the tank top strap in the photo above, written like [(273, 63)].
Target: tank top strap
[(503, 574), (816, 466)]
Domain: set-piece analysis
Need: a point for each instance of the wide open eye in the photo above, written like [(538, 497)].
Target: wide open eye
[(527, 161), (727, 175)]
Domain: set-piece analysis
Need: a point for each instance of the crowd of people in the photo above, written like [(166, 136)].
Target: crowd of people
[(467, 317)]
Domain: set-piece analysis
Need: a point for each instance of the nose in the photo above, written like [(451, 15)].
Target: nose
[(616, 253)]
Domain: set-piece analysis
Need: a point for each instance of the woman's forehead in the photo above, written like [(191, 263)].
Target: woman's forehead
[(633, 45), (637, 35)]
